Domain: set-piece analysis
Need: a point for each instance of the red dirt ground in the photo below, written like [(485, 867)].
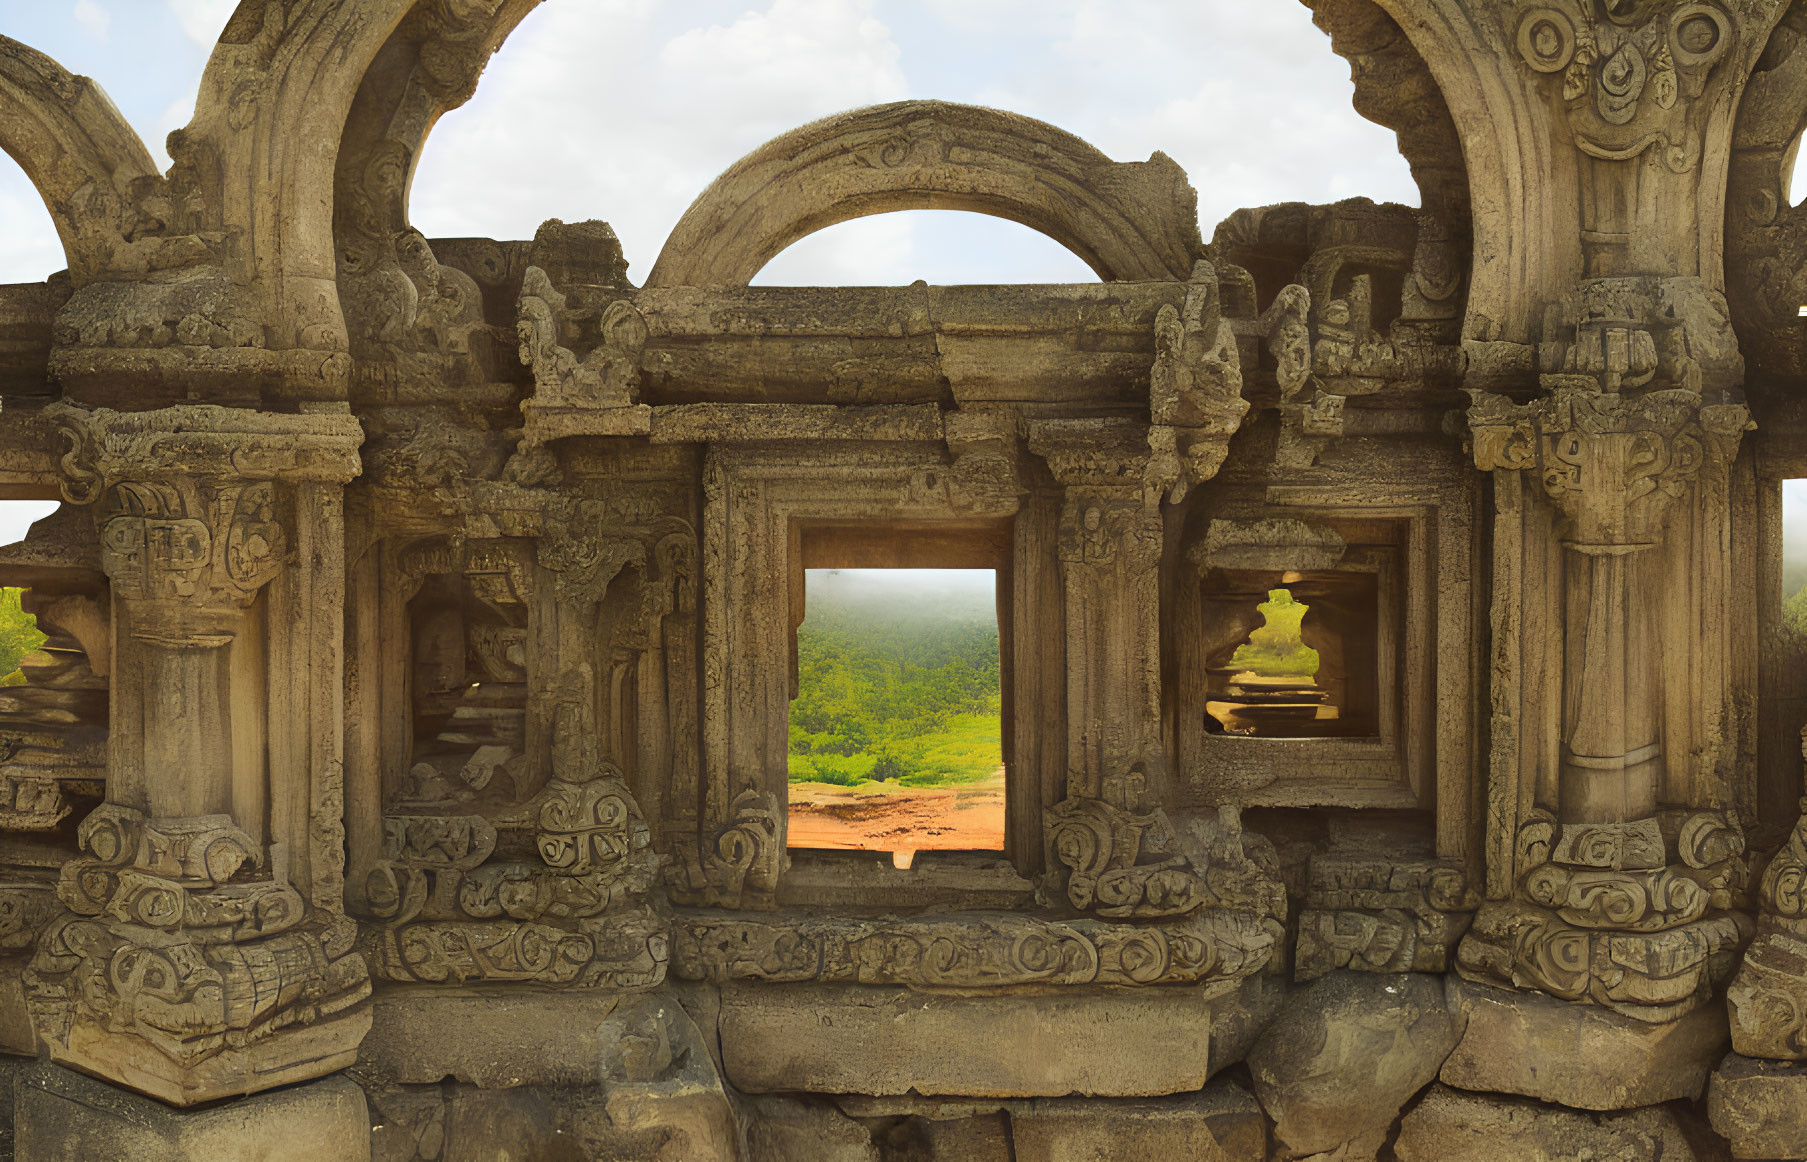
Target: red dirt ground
[(880, 817)]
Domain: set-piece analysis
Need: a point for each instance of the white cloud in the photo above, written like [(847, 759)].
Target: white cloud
[(619, 111), (16, 517), (93, 18), (202, 20)]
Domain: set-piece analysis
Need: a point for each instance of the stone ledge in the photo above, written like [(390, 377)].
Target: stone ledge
[(493, 1038), (63, 1116), (1579, 1055), (1143, 1042), (1760, 1107)]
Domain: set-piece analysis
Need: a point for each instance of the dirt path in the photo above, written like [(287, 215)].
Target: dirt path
[(881, 817)]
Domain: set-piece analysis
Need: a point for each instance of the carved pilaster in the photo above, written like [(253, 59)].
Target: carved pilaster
[(1109, 545), (1613, 465), (1613, 901), (205, 957)]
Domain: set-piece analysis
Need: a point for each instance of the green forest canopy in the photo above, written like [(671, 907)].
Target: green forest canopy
[(19, 635), (1275, 649), (897, 679)]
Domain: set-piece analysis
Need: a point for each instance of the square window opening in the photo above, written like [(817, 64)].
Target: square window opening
[(898, 716), (1297, 655)]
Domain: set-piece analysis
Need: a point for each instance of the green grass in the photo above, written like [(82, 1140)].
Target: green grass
[(967, 749)]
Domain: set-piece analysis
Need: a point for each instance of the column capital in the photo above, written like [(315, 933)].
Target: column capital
[(1611, 462)]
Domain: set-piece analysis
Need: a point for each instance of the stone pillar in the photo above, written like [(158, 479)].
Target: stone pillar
[(1618, 897), (1109, 543), (206, 953)]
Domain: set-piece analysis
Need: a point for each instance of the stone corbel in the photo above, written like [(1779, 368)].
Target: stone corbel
[(739, 865), (1195, 385), (596, 393)]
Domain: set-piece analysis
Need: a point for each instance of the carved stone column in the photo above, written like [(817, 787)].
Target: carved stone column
[(1615, 900), (207, 954), (1110, 553)]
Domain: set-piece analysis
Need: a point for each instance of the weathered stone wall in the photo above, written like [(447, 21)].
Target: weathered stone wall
[(404, 774)]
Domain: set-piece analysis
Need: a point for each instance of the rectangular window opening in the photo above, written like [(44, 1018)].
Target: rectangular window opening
[(1300, 657), (897, 718)]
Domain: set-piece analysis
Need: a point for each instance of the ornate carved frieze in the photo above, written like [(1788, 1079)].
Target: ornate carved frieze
[(973, 950), (106, 447), (1649, 942), (184, 956), (1375, 914)]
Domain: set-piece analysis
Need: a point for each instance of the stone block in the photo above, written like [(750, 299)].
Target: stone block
[(493, 1038), (1221, 1123), (782, 1129), (1147, 1042), (1449, 1125), (1579, 1055), (63, 1116), (1345, 1054), (1760, 1107), (981, 1138), (16, 1035)]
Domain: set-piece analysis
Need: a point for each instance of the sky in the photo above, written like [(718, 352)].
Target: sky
[(626, 109)]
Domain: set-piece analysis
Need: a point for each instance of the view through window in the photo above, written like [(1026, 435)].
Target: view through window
[(896, 730), (20, 638)]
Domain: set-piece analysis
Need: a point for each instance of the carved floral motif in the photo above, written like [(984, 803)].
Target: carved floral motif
[(172, 948)]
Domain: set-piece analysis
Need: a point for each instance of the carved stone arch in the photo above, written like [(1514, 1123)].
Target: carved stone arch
[(1126, 220), (1524, 165), (428, 66), (259, 155), (1766, 236), (76, 149), (1522, 254), (1394, 88)]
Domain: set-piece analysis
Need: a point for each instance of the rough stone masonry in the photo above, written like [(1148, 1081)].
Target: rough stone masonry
[(403, 775)]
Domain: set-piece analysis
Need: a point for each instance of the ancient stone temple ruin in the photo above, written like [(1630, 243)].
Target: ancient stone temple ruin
[(1400, 722)]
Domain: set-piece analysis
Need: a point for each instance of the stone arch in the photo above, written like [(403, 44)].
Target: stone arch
[(1394, 88), (1766, 236), (429, 66), (77, 150), (1126, 220), (1520, 253)]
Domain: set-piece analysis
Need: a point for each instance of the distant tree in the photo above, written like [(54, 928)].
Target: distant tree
[(19, 635), (1275, 649)]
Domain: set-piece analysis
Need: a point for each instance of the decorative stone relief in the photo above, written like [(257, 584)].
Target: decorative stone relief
[(1768, 997), (185, 955), (1124, 860), (1375, 914), (1651, 943), (580, 915), (739, 865), (595, 393)]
